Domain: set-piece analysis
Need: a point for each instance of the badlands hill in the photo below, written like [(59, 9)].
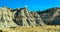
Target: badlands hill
[(22, 17), (51, 16)]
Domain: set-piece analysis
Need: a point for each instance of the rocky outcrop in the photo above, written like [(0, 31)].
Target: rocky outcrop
[(19, 17), (6, 17), (51, 16), (22, 17), (25, 18)]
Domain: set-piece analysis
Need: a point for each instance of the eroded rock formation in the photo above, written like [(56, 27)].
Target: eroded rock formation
[(51, 16), (25, 18), (22, 17), (6, 18)]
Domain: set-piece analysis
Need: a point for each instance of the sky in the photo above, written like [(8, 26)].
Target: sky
[(31, 4)]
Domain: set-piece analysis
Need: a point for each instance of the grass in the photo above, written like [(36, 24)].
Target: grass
[(46, 28)]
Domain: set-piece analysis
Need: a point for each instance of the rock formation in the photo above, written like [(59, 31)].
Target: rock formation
[(22, 17), (25, 18), (51, 16), (6, 18)]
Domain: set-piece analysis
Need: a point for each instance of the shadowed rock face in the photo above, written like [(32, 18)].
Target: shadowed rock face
[(51, 16)]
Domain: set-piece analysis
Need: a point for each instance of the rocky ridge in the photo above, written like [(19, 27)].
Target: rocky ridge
[(51, 16), (22, 17), (25, 18)]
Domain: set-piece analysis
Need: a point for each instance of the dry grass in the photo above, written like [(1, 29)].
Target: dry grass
[(32, 29)]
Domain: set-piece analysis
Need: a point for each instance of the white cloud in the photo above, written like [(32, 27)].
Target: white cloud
[(26, 6)]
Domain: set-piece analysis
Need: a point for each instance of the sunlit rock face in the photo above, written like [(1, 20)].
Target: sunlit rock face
[(25, 18), (19, 17), (6, 17), (51, 16)]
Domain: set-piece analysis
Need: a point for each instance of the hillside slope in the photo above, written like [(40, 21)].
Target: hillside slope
[(51, 16), (22, 17)]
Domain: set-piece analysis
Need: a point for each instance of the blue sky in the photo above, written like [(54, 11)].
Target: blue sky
[(31, 4)]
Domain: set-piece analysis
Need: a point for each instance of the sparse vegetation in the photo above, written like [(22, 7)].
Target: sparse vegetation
[(33, 29)]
